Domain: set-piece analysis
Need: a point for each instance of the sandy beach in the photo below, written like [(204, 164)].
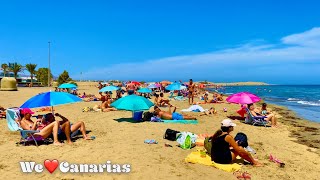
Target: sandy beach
[(295, 142)]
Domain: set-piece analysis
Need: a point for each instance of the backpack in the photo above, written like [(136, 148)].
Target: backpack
[(242, 139), (147, 116), (170, 134)]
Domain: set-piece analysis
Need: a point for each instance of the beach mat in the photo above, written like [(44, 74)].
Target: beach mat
[(180, 121), (195, 157)]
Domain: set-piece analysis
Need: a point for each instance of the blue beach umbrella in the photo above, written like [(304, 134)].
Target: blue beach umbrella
[(67, 86), (109, 88), (144, 90), (50, 99), (132, 103), (175, 87)]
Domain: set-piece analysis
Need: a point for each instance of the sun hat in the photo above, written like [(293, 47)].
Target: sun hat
[(227, 123), (27, 111)]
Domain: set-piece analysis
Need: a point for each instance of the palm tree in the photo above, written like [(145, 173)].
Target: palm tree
[(32, 69), (16, 68), (4, 67)]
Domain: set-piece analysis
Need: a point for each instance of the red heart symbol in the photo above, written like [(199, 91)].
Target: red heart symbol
[(51, 165)]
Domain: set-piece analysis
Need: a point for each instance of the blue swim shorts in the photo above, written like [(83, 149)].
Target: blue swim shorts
[(177, 116)]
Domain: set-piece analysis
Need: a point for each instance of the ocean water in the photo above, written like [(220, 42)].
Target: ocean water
[(303, 99)]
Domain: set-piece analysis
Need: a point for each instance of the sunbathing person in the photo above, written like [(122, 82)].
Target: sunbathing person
[(211, 111), (106, 105), (65, 123), (163, 101), (157, 100), (270, 117), (225, 149), (263, 110), (27, 124), (171, 115), (2, 112)]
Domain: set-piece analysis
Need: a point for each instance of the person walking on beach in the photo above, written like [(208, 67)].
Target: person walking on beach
[(191, 89)]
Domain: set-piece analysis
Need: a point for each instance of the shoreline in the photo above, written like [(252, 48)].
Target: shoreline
[(305, 132)]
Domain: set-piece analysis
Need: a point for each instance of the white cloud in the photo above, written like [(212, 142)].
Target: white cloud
[(292, 49)]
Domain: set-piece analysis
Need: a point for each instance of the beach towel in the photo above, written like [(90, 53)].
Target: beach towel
[(180, 121), (157, 119), (195, 157), (195, 108)]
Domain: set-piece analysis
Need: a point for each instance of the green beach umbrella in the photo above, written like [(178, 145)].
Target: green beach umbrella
[(132, 103)]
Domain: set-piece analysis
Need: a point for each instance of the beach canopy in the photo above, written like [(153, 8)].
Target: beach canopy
[(50, 99), (67, 86), (144, 90), (151, 86), (109, 88), (175, 87), (132, 103), (243, 98)]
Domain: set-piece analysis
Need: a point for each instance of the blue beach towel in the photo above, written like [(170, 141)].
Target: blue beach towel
[(180, 121)]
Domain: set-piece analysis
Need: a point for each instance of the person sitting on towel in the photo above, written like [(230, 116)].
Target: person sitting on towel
[(225, 149), (171, 115)]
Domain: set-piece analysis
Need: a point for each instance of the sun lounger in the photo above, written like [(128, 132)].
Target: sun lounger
[(255, 120), (26, 135)]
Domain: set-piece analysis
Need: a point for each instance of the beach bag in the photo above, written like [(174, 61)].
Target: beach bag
[(171, 134), (242, 139), (208, 145), (187, 143), (187, 140), (147, 116)]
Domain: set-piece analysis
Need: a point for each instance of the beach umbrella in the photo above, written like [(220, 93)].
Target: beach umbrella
[(144, 90), (132, 103), (175, 87), (165, 83), (109, 88), (136, 83), (67, 86), (243, 98), (50, 99), (151, 86)]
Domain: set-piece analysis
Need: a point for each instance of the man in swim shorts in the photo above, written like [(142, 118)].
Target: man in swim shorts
[(191, 89), (171, 115)]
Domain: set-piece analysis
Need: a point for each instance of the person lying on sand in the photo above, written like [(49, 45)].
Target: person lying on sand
[(171, 115), (48, 108), (27, 124), (225, 149), (270, 117), (211, 111), (2, 112)]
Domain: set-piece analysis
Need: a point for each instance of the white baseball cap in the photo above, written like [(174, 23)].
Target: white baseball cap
[(227, 123)]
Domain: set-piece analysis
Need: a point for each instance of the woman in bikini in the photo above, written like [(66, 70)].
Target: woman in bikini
[(27, 124)]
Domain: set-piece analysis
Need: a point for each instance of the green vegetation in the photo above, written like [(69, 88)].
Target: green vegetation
[(32, 70), (64, 78), (42, 76)]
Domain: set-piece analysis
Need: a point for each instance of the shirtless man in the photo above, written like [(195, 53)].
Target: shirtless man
[(130, 88), (171, 115), (191, 89), (270, 117), (100, 85)]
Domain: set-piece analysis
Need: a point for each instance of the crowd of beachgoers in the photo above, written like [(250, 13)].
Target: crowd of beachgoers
[(224, 148)]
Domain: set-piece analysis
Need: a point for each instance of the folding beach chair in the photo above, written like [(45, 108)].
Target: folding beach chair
[(26, 135), (255, 120)]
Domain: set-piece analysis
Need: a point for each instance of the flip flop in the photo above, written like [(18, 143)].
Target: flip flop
[(238, 174), (246, 175)]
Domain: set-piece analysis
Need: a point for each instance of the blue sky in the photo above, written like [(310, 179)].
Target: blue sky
[(222, 41)]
